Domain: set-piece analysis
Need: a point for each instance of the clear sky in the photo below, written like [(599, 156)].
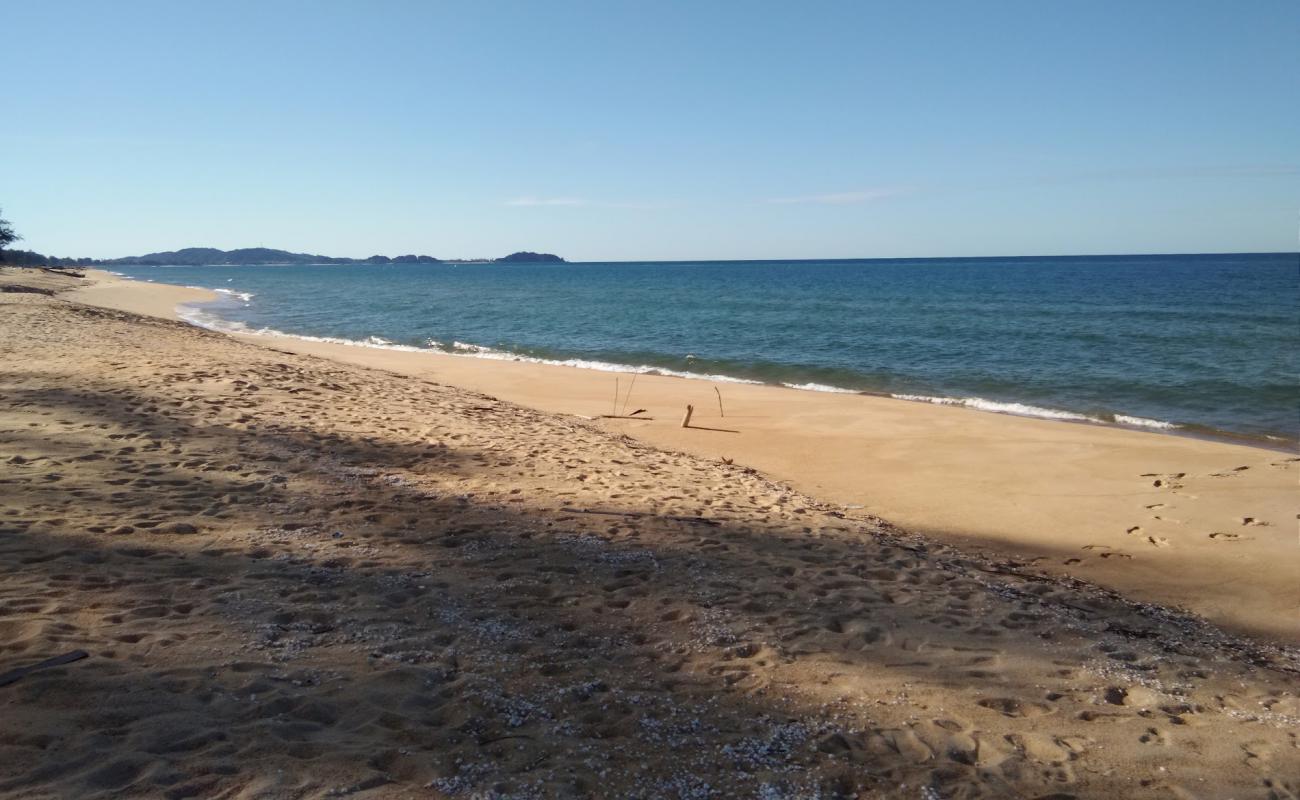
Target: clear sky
[(652, 130)]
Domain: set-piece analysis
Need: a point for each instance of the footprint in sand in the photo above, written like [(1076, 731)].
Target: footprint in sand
[(1258, 754), (907, 744), (1041, 748), (1154, 736), (1158, 541), (1154, 506), (1225, 537), (1232, 473), (1014, 707), (1134, 529), (1096, 547), (1254, 521), (1116, 555)]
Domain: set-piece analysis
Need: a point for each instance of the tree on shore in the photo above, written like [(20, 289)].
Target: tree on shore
[(7, 235)]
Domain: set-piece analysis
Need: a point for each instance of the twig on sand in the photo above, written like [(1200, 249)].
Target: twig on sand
[(686, 420), (58, 661), (614, 408), (719, 393), (628, 397)]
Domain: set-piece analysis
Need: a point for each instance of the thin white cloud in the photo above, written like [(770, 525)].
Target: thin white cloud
[(836, 198), (546, 201)]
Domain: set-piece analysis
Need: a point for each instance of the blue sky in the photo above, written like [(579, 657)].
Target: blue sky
[(623, 131)]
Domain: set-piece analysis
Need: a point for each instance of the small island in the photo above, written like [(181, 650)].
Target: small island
[(529, 257)]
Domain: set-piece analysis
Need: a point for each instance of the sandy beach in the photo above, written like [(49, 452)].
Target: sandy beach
[(298, 569), (1207, 526)]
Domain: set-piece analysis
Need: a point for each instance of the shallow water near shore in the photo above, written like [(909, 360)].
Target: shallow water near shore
[(1190, 343)]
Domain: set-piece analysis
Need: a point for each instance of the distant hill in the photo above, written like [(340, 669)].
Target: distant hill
[(210, 256), (529, 257)]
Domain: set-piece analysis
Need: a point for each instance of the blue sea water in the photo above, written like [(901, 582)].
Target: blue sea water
[(1207, 343)]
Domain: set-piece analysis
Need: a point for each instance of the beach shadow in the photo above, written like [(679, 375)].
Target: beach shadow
[(389, 615)]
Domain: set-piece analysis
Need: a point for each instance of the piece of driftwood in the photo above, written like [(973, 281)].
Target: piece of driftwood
[(621, 416), (697, 520), (17, 674), (627, 398), (721, 413), (715, 430), (686, 420)]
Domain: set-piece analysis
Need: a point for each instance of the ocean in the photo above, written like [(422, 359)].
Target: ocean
[(1203, 344)]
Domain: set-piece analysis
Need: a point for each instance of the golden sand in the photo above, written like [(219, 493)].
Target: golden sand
[(1207, 526), (306, 577)]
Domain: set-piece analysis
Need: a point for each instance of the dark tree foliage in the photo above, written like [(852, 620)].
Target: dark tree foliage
[(7, 235), (27, 258)]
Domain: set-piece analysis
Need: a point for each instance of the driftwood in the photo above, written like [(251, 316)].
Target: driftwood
[(697, 520), (686, 420), (621, 416), (627, 398), (17, 674)]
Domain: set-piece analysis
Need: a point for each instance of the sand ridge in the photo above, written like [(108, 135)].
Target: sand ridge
[(301, 578)]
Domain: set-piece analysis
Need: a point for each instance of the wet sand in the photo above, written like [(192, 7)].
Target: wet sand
[(299, 577)]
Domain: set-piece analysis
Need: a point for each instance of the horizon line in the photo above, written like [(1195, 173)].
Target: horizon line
[(360, 259)]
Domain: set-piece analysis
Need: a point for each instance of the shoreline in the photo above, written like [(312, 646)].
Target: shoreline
[(1157, 518), (196, 313), (194, 297)]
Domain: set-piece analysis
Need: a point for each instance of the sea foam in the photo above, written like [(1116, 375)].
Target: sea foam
[(204, 318), (1025, 410), (1143, 422), (819, 387), (1016, 409), (245, 296)]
